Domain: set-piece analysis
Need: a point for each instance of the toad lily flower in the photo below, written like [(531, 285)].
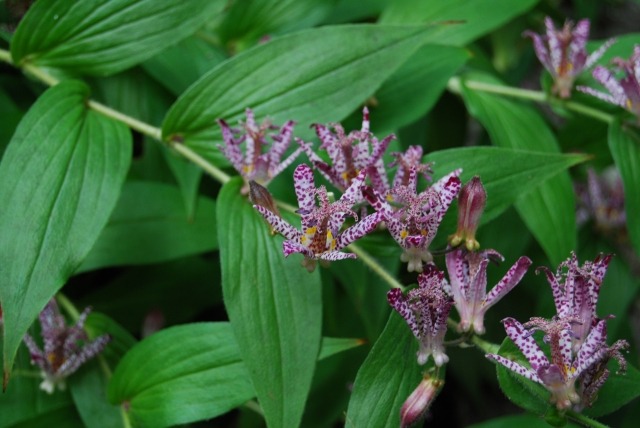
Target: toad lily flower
[(405, 161), (426, 309), (624, 93), (576, 291), (65, 348), (349, 153), (321, 238), (563, 53), (415, 223), (468, 276), (417, 404), (253, 164), (566, 368), (602, 199)]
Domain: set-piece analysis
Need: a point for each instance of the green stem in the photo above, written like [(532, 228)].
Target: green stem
[(5, 56), (455, 86), (253, 405), (195, 158), (584, 420), (374, 265), (131, 122), (68, 306)]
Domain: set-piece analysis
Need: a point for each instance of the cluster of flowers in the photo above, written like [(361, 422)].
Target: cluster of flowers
[(563, 53), (357, 169)]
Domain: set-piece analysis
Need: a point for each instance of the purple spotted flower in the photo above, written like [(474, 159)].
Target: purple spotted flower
[(426, 309), (570, 375), (321, 237), (405, 162), (471, 202), (253, 164), (414, 218), (349, 153), (468, 276), (563, 53), (65, 348), (624, 92), (575, 293)]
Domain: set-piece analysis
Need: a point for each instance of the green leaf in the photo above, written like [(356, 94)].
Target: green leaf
[(521, 391), (89, 390), (526, 420), (412, 90), (619, 390), (150, 225), (178, 66), (274, 305), (470, 19), (246, 21), (334, 345), (63, 417), (64, 167), (519, 173), (180, 375), (624, 144), (549, 210), (387, 377), (312, 76), (105, 36)]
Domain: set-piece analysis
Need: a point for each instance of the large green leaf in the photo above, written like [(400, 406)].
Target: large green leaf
[(471, 18), (412, 90), (150, 225), (248, 20), (519, 171), (60, 179), (105, 36), (387, 377), (180, 375), (549, 210), (274, 305), (312, 76), (624, 144)]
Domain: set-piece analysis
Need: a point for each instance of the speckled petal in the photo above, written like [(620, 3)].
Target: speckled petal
[(515, 367), (304, 187), (278, 224), (333, 256), (594, 342), (289, 247), (358, 230), (506, 284), (398, 301), (526, 343)]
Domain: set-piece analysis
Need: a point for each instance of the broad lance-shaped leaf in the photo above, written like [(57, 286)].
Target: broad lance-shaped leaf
[(416, 86), (387, 377), (150, 225), (520, 172), (468, 20), (313, 76), (549, 210), (180, 375), (624, 145), (105, 36), (274, 305), (59, 181)]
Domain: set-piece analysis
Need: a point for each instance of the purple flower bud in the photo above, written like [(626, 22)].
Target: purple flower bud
[(471, 202), (417, 404)]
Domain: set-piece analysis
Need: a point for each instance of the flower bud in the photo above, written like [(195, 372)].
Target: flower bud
[(416, 406), (471, 202)]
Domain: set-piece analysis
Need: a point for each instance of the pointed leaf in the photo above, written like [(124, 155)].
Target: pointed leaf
[(180, 375), (334, 345), (312, 76), (412, 90), (387, 377), (520, 171), (150, 225), (549, 210), (274, 305), (624, 144), (105, 36), (471, 19), (64, 167)]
